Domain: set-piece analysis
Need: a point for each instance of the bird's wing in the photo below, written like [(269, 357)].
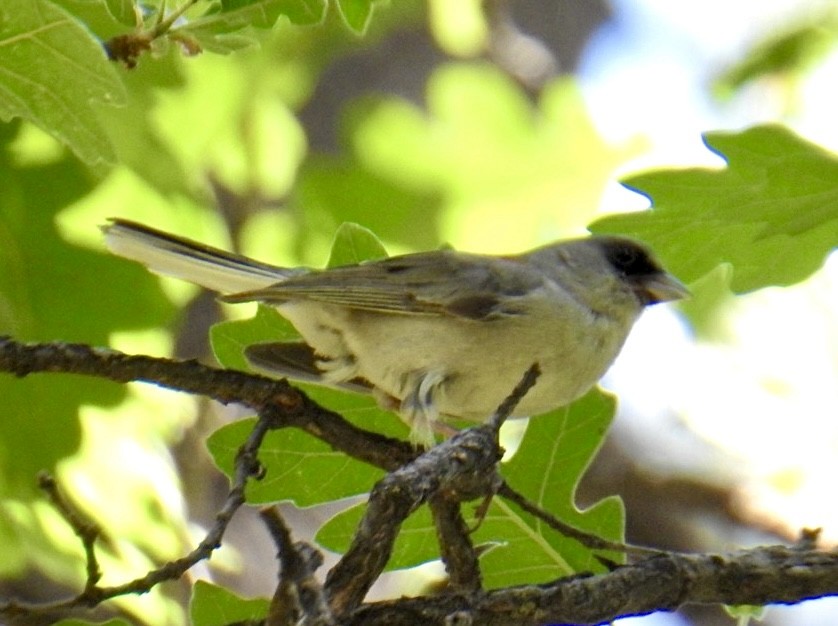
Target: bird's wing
[(426, 283), (297, 360)]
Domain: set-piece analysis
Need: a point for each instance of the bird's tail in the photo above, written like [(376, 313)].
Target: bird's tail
[(195, 262)]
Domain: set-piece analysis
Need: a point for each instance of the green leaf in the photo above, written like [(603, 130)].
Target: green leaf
[(356, 14), (123, 11), (263, 13), (212, 605), (298, 467), (744, 613), (216, 31), (232, 29), (415, 544), (229, 339), (555, 451), (54, 71), (353, 244), (705, 308), (772, 213), (793, 51)]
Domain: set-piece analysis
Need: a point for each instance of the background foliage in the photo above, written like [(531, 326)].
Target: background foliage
[(228, 147)]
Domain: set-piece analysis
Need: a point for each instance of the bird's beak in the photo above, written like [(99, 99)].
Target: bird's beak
[(663, 288)]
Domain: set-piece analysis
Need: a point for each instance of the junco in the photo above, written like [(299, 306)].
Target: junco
[(439, 333)]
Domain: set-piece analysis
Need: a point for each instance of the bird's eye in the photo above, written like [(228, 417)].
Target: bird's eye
[(625, 258), (630, 260)]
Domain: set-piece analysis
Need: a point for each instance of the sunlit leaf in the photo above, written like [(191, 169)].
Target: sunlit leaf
[(212, 605), (54, 71), (480, 166), (772, 213), (52, 290), (556, 450)]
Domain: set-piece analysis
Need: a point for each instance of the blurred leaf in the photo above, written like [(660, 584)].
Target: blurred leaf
[(123, 11), (481, 160), (744, 613), (134, 129), (212, 605), (547, 467), (335, 188), (356, 14), (460, 28), (705, 308), (53, 291), (792, 51), (231, 29), (54, 71), (772, 213)]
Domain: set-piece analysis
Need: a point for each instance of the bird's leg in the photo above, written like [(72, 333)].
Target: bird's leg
[(419, 409)]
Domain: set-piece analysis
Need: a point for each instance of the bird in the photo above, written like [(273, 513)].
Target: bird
[(436, 334)]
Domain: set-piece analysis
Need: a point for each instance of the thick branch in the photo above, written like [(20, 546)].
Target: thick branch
[(290, 406), (767, 575), (462, 467)]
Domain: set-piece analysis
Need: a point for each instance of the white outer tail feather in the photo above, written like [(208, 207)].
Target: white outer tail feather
[(165, 254)]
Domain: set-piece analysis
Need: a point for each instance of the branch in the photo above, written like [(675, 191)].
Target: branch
[(299, 595), (288, 406), (459, 469), (766, 575), (455, 546), (87, 531), (93, 595), (463, 467)]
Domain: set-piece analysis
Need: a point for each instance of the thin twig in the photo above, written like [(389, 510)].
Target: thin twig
[(86, 530), (245, 467), (589, 540), (128, 47), (523, 387)]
